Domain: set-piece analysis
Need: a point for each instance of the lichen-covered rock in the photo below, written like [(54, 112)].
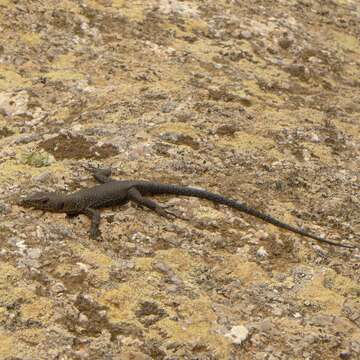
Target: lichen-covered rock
[(254, 101)]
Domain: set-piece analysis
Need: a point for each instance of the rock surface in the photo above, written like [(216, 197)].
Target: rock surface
[(254, 101)]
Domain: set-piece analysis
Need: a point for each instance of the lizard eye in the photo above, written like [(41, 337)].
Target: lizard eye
[(44, 201)]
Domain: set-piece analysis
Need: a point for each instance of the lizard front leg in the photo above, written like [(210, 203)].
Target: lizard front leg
[(94, 216), (102, 175)]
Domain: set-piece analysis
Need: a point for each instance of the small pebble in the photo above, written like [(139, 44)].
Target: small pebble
[(246, 34), (4, 209), (42, 177), (58, 288), (262, 252)]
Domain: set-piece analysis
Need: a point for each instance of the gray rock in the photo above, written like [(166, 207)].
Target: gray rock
[(42, 177), (169, 106), (345, 355), (351, 309), (238, 334), (262, 252), (13, 104), (245, 34), (4, 208), (355, 346), (58, 288)]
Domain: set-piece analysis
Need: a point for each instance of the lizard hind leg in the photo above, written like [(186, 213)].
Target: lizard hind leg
[(135, 196)]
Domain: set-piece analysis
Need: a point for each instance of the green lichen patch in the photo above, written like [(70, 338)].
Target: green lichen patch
[(37, 159)]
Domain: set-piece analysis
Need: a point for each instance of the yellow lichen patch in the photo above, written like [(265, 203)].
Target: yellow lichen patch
[(203, 51), (308, 114), (345, 2), (322, 152), (198, 310), (246, 141), (12, 169), (118, 3), (167, 25), (340, 284), (144, 264), (64, 61), (257, 69), (96, 259), (278, 119), (115, 6), (31, 38), (134, 10), (31, 336), (21, 343), (41, 309), (94, 4), (63, 269), (196, 326), (10, 79), (349, 129), (246, 271), (11, 288), (350, 71), (209, 213), (179, 259), (121, 301), (176, 127), (188, 333), (252, 88), (8, 274), (191, 334), (5, 2), (3, 314), (196, 25), (347, 42), (68, 5), (64, 75), (10, 294), (7, 345), (92, 257), (330, 301), (63, 113), (173, 83), (295, 327)]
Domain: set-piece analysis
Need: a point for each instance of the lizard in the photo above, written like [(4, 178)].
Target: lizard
[(113, 192)]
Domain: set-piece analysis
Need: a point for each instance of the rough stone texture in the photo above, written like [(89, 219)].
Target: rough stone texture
[(256, 100)]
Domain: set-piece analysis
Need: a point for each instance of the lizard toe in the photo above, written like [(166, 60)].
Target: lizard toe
[(95, 234)]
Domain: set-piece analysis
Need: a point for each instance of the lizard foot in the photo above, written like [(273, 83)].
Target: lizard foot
[(98, 170), (95, 234), (102, 175), (163, 211)]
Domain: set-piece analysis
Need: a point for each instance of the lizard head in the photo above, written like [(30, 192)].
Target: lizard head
[(48, 201)]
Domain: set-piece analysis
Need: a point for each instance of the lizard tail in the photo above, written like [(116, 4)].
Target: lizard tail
[(216, 198)]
